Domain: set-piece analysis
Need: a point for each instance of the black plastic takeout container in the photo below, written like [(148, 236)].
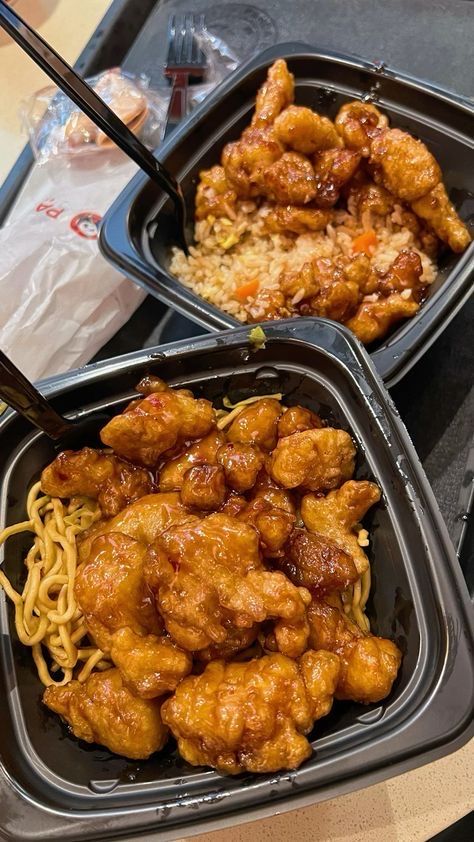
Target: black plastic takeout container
[(53, 784), (134, 233)]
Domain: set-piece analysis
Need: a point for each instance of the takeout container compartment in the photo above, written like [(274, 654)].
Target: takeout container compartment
[(135, 231), (73, 790)]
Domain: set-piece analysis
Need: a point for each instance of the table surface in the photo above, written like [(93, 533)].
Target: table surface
[(419, 804)]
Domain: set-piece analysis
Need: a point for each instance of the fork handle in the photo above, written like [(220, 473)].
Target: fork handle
[(179, 100)]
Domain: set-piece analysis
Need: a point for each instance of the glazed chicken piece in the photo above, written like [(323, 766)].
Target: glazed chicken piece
[(296, 419), (290, 180), (252, 717), (203, 452), (333, 168), (245, 161), (437, 210), (369, 664), (241, 463), (157, 423), (266, 489), (290, 637), (373, 319), (283, 219), (337, 297), (305, 131), (374, 198), (336, 301), (358, 123), (102, 476), (274, 525), (359, 271), (150, 385), (301, 284), (203, 595), (149, 666), (104, 711), (214, 195), (233, 505), (331, 628), (336, 515), (314, 562), (204, 487), (111, 592), (404, 274), (321, 288), (403, 165), (234, 646), (275, 94), (368, 669), (268, 305), (315, 459), (143, 520), (257, 424), (368, 196)]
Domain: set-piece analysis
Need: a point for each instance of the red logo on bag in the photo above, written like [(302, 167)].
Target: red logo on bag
[(86, 224)]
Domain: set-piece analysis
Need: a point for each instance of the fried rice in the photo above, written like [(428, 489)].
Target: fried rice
[(233, 251)]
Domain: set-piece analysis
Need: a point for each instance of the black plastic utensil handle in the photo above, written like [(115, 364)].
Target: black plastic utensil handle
[(17, 391), (88, 101)]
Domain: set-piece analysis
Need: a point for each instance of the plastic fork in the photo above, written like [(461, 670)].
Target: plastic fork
[(184, 60)]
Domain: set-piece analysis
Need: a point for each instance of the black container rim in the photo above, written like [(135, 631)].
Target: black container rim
[(455, 615), (402, 351)]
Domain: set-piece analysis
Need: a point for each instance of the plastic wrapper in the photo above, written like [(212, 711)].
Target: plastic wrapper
[(221, 61), (57, 128)]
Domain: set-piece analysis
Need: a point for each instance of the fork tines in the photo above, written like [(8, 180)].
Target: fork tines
[(184, 52)]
